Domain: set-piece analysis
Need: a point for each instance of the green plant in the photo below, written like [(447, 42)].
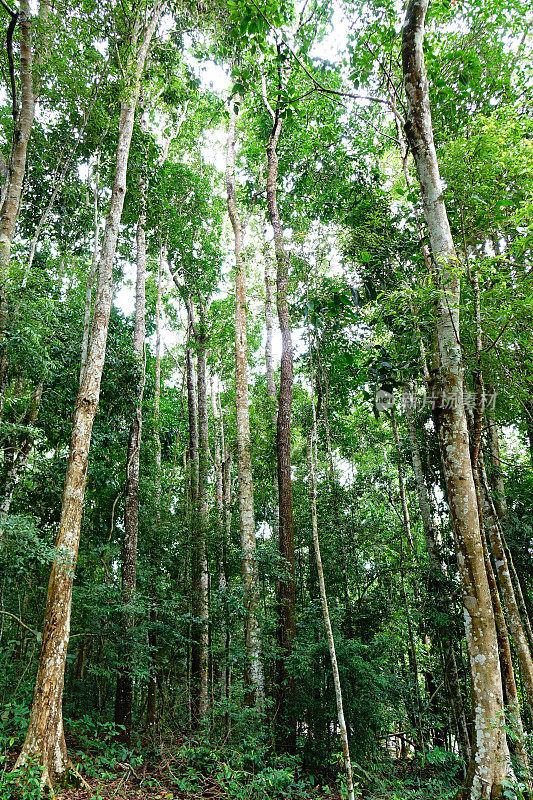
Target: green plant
[(21, 784)]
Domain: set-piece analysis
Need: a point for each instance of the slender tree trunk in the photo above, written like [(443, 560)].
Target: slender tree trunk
[(311, 449), (500, 505), (45, 741), (514, 718), (413, 661), (287, 591), (254, 671), (271, 385), (312, 462), (22, 126), (510, 604), (322, 381), (124, 691), (157, 382), (193, 427), (151, 701), (92, 274), (497, 482), (490, 762), (438, 567), (199, 568), (223, 577), (18, 462)]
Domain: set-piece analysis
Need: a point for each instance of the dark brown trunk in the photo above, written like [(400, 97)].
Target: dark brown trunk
[(124, 691), (199, 568), (286, 723)]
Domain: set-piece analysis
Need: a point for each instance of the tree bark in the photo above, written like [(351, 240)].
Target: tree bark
[(510, 604), (92, 273), (490, 762), (312, 462), (254, 667), (286, 733), (514, 718), (151, 701), (23, 123), (311, 449), (438, 567), (199, 568), (45, 741), (18, 462), (271, 385), (124, 690)]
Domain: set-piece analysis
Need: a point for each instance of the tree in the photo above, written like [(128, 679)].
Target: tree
[(45, 740), (124, 693), (244, 456), (490, 760)]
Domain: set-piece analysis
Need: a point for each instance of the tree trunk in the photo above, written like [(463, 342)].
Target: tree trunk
[(438, 567), (199, 568), (151, 702), (23, 122), (92, 274), (124, 691), (311, 449), (223, 576), (45, 741), (496, 468), (490, 762), (500, 505), (286, 734), (254, 668), (18, 463), (514, 718), (510, 604), (271, 385)]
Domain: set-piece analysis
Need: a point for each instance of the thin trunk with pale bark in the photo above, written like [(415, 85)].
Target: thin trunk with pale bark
[(490, 763), (18, 463), (254, 670), (45, 740)]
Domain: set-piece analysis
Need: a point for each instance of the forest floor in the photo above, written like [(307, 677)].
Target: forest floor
[(159, 781), (185, 771)]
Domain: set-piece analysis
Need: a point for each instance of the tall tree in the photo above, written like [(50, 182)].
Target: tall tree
[(490, 762), (244, 454), (287, 586), (124, 690), (45, 739)]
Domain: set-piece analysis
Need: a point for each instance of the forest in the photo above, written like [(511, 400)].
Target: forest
[(266, 400)]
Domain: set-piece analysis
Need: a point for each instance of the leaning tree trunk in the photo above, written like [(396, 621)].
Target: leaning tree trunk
[(124, 690), (45, 741), (254, 668), (286, 734), (490, 762)]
